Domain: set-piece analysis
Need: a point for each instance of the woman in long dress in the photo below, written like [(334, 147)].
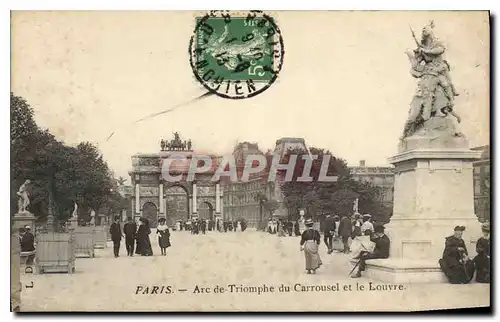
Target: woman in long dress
[(309, 243), (482, 260), (143, 242), (164, 236), (455, 263)]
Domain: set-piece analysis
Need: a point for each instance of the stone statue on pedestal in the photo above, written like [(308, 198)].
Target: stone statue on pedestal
[(75, 211), (355, 206), (432, 105), (24, 200), (92, 217)]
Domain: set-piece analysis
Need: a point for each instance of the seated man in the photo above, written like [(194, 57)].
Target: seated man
[(455, 263), (482, 260), (381, 250)]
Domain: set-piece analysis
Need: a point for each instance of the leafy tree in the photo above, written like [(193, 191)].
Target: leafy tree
[(59, 173), (318, 197)]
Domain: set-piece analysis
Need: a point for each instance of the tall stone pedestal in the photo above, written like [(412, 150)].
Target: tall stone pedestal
[(433, 193), (21, 219)]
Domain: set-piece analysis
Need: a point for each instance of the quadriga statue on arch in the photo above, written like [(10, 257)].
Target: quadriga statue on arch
[(431, 109)]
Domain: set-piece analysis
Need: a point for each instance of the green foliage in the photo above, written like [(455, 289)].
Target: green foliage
[(59, 172), (329, 197)]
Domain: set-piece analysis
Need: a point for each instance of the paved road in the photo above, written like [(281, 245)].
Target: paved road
[(248, 260)]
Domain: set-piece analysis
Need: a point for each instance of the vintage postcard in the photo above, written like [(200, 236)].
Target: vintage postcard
[(250, 161)]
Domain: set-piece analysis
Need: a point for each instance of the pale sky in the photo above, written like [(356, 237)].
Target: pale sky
[(345, 83)]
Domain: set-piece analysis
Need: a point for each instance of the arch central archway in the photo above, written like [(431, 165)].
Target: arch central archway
[(177, 205), (206, 211)]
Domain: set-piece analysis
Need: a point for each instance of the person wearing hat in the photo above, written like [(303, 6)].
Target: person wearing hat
[(356, 226), (345, 231), (130, 230), (28, 244), (329, 232), (296, 228), (482, 259), (203, 226), (455, 264), (367, 226), (164, 236), (143, 243), (116, 235), (381, 249), (309, 243), (195, 226)]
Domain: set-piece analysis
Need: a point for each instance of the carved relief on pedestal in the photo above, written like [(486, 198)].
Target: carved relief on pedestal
[(206, 190), (176, 188), (155, 162), (149, 191), (146, 178)]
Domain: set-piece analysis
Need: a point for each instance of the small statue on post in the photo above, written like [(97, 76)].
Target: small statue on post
[(24, 200), (92, 217), (74, 214)]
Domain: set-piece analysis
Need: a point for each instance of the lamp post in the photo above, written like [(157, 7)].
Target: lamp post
[(261, 199)]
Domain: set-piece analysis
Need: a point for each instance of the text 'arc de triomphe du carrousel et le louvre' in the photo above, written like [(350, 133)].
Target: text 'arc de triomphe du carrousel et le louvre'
[(253, 200)]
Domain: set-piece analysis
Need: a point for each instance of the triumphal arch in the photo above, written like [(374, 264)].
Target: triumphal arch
[(156, 197)]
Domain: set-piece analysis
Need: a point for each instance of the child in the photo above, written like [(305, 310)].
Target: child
[(164, 238)]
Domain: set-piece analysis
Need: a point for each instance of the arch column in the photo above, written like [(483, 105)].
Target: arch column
[(161, 199), (194, 202), (217, 198), (190, 206), (137, 200)]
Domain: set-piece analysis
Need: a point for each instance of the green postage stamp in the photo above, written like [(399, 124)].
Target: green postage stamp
[(236, 55)]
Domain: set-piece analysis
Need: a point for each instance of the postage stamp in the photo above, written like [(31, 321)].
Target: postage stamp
[(236, 55), (354, 175)]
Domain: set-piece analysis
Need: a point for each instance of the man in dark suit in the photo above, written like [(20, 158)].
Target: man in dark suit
[(203, 226), (345, 231), (130, 230), (27, 240), (381, 250), (329, 231), (116, 235)]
